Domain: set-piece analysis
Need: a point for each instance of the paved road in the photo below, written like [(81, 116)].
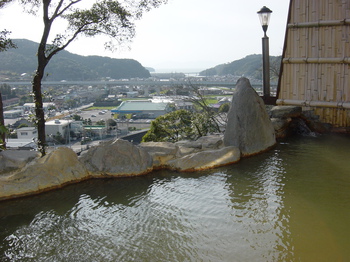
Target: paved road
[(95, 115)]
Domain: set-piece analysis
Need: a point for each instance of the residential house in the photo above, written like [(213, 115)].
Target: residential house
[(26, 137), (27, 133)]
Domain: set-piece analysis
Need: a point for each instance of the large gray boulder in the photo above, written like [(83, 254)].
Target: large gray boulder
[(54, 170), (116, 158), (249, 127), (14, 159)]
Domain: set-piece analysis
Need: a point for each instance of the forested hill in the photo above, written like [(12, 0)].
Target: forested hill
[(250, 65), (66, 66)]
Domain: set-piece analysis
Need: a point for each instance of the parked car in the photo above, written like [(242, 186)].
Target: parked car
[(85, 139)]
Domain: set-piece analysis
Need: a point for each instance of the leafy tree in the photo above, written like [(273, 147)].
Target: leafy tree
[(111, 122), (202, 106), (179, 125), (202, 126), (4, 2), (171, 127), (107, 17), (224, 108), (77, 117), (5, 42), (183, 124), (3, 131), (58, 138), (101, 123)]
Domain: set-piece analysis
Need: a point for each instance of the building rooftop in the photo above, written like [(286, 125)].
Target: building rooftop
[(58, 122), (18, 143), (27, 128), (133, 106)]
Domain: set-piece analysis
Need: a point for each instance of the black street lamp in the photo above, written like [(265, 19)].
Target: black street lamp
[(264, 16)]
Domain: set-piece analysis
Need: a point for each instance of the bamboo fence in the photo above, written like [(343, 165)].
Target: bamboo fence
[(315, 71)]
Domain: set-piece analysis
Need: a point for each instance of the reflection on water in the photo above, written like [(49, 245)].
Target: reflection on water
[(290, 204)]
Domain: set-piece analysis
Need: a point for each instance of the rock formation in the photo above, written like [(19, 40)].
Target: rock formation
[(249, 131), (111, 158), (14, 159), (116, 158), (282, 117), (290, 120), (54, 170), (206, 159), (249, 127), (206, 152)]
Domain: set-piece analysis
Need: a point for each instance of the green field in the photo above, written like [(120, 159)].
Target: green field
[(99, 108)]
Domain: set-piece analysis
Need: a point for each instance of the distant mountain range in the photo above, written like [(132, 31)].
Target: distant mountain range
[(21, 63), (250, 65)]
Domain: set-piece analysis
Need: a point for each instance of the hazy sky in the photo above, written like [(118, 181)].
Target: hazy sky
[(181, 35)]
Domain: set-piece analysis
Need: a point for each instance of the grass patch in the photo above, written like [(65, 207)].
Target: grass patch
[(99, 108), (211, 100)]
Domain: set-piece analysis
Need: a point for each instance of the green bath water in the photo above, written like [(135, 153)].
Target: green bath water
[(289, 204)]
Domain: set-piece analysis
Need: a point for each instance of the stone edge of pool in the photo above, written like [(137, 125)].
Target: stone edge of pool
[(250, 130)]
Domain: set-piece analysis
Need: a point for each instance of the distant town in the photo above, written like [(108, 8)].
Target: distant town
[(79, 113)]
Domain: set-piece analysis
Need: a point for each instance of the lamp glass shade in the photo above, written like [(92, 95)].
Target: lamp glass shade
[(264, 16)]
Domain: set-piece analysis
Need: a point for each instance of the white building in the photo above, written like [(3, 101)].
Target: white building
[(25, 139), (20, 144), (13, 114), (27, 133), (31, 106), (58, 126), (180, 104)]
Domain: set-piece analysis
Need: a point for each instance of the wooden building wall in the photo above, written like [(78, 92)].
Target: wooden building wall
[(315, 71)]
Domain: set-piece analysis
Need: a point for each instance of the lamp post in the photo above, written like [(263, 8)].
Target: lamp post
[(264, 16)]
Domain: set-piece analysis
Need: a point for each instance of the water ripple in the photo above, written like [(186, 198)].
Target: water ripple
[(257, 210)]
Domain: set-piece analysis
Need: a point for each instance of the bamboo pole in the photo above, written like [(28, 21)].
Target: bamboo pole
[(328, 104), (316, 60), (320, 23)]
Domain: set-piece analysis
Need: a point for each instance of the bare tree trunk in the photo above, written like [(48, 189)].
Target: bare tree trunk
[(39, 114), (2, 122)]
